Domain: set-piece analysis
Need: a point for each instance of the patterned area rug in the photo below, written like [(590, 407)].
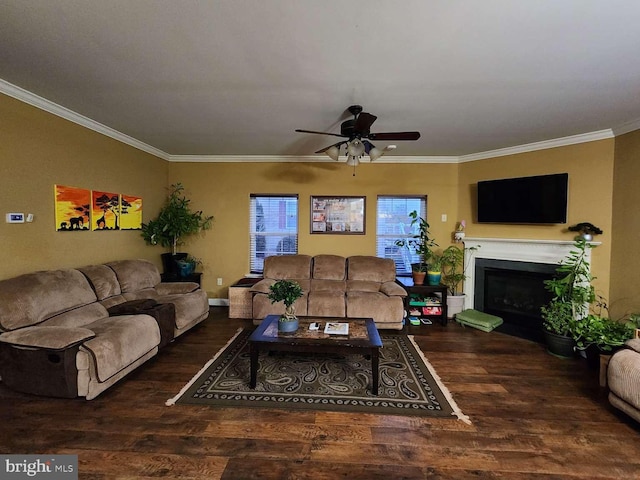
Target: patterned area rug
[(408, 383)]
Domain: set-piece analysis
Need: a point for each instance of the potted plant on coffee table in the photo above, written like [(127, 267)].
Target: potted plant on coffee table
[(453, 275), (421, 244), (175, 221), (287, 292)]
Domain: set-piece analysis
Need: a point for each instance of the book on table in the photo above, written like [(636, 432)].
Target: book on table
[(336, 328)]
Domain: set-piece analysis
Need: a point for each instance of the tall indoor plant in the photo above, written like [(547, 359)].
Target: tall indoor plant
[(453, 275), (421, 244), (175, 221), (572, 296)]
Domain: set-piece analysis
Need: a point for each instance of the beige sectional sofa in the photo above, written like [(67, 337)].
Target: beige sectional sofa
[(623, 379), (58, 337), (335, 286)]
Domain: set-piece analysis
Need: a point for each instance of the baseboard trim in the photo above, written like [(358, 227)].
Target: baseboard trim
[(218, 302)]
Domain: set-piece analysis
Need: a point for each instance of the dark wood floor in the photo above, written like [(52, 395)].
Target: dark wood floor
[(533, 416)]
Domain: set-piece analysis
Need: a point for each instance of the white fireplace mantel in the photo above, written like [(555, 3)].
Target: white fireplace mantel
[(519, 250)]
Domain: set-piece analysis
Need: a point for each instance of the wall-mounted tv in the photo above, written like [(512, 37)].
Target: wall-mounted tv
[(538, 199)]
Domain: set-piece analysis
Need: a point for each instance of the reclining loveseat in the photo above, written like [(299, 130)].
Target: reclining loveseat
[(76, 332), (334, 286)]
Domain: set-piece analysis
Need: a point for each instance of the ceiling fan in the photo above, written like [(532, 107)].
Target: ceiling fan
[(358, 135)]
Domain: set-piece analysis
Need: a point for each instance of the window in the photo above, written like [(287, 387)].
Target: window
[(394, 224), (273, 228)]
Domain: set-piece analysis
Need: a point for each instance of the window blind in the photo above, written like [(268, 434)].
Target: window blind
[(273, 228), (394, 224)]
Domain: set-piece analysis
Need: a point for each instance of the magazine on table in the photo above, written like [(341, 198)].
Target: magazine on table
[(335, 328)]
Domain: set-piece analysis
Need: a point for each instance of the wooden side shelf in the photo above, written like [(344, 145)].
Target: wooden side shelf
[(424, 291)]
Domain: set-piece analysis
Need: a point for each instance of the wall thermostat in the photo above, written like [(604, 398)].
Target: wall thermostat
[(15, 217)]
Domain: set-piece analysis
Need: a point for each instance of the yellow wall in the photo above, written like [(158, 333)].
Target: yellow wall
[(223, 189), (625, 262), (590, 167), (38, 150)]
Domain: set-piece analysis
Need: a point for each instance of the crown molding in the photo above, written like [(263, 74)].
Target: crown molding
[(304, 158), (532, 147), (627, 127), (63, 112)]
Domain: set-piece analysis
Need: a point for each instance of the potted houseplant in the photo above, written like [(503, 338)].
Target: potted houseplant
[(287, 292), (175, 221), (421, 244), (434, 268), (453, 274), (572, 296), (187, 265)]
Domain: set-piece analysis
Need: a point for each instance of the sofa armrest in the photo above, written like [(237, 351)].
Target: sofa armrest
[(392, 289), (633, 344), (52, 338), (263, 286), (176, 288)]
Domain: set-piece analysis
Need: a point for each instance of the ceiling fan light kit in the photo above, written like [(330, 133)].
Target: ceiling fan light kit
[(357, 132)]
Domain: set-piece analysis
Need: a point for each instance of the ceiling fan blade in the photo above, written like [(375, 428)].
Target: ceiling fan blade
[(334, 145), (319, 133), (395, 136), (364, 122)]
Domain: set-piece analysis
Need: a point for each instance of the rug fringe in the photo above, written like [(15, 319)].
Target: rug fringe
[(445, 391), (172, 401)]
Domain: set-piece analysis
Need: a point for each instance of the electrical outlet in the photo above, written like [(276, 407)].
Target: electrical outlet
[(444, 217), (219, 280)]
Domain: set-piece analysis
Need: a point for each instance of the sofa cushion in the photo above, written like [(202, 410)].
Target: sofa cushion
[(78, 317), (362, 286), (53, 338), (120, 341), (287, 267), (188, 306), (328, 285), (134, 275), (380, 307), (329, 267), (32, 298), (103, 280), (362, 267), (326, 303)]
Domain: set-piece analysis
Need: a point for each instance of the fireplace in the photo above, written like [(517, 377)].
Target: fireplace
[(515, 292), (505, 277)]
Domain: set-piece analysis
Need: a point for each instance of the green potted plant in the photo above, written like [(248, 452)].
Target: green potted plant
[(453, 274), (287, 292), (175, 221), (434, 268), (572, 295), (421, 244)]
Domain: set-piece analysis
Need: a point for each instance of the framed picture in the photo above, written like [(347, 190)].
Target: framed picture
[(338, 215)]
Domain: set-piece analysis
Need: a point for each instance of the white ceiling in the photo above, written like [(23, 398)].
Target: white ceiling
[(237, 77)]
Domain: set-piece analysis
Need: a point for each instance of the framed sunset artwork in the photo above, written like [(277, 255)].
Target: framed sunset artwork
[(72, 208), (105, 211), (130, 212)]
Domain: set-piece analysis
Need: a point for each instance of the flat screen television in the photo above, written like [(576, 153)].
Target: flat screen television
[(540, 199)]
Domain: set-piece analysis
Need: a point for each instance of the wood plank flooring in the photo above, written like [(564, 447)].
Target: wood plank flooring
[(533, 416)]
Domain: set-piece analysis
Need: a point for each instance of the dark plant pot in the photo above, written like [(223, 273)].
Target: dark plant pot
[(170, 263), (559, 345)]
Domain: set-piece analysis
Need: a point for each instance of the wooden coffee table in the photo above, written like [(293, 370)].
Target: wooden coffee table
[(363, 338)]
